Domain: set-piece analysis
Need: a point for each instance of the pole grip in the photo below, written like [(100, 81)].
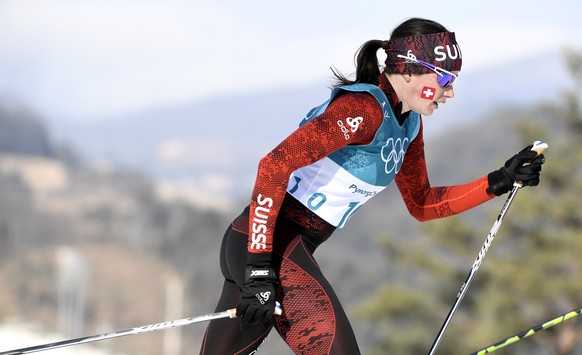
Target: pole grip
[(538, 147), (278, 310)]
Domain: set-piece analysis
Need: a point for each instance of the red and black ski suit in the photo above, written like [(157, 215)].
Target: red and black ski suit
[(313, 321)]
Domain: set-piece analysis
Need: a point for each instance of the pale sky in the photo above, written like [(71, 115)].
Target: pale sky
[(93, 58)]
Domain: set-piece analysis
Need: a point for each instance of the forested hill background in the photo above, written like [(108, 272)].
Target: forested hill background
[(89, 246)]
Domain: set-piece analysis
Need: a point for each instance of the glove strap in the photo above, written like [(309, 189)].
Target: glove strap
[(263, 273), (499, 182)]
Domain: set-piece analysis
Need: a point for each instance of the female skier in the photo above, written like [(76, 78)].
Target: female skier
[(345, 151)]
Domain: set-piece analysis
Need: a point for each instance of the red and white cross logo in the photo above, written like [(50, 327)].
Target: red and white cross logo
[(428, 93)]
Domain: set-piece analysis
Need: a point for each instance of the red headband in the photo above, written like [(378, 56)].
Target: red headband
[(439, 49)]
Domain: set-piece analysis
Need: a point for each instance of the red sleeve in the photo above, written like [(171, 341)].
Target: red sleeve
[(311, 142), (425, 202)]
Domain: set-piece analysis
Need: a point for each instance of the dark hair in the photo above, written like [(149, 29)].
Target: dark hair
[(367, 66)]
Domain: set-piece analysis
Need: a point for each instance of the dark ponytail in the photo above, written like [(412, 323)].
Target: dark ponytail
[(367, 66)]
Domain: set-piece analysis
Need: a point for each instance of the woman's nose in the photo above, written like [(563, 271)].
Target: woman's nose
[(449, 92)]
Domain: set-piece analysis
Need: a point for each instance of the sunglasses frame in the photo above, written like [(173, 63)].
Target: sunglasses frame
[(438, 70)]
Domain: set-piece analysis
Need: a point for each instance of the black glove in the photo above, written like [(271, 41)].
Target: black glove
[(525, 167), (258, 296)]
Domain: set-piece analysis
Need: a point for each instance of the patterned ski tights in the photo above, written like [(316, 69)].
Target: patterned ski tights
[(313, 321)]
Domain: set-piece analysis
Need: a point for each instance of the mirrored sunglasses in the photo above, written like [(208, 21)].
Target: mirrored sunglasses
[(444, 77)]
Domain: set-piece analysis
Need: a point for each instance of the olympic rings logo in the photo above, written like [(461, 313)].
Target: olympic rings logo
[(393, 154)]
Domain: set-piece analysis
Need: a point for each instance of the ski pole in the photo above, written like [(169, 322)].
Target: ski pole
[(230, 313), (539, 147), (526, 333)]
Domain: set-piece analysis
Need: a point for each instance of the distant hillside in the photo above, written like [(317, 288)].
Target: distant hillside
[(22, 131), (85, 249)]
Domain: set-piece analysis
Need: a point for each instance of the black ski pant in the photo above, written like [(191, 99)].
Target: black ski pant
[(313, 321)]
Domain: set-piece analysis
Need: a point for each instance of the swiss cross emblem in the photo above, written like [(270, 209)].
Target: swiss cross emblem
[(428, 93)]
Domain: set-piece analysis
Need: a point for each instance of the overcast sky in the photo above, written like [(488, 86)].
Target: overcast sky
[(86, 59)]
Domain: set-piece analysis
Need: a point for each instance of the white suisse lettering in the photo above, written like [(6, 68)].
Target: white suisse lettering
[(259, 227), (442, 55)]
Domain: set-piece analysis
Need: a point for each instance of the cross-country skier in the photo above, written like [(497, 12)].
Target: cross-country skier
[(368, 134)]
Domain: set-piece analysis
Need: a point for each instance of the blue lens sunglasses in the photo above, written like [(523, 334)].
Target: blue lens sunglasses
[(444, 77)]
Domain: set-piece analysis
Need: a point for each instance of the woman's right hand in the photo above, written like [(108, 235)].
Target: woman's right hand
[(258, 297), (524, 167)]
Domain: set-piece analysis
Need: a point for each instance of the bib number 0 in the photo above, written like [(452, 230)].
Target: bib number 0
[(318, 199)]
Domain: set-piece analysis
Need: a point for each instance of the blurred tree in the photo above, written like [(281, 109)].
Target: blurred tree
[(531, 274)]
